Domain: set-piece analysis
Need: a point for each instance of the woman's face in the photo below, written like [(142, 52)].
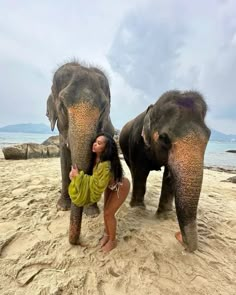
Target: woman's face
[(99, 144)]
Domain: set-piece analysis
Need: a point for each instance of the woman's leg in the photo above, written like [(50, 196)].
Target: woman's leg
[(105, 237), (114, 202)]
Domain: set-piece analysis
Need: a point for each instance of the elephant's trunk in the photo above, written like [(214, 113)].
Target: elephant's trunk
[(75, 224), (186, 159), (83, 122)]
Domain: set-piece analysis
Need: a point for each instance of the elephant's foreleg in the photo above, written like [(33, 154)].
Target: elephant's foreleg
[(139, 177), (64, 201), (186, 164), (167, 193), (92, 210), (75, 224)]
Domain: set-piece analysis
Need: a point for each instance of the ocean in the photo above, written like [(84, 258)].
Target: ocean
[(215, 156)]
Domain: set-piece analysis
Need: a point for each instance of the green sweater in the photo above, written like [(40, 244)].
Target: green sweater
[(87, 189)]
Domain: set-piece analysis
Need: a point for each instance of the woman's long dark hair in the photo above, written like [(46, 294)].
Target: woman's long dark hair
[(111, 154)]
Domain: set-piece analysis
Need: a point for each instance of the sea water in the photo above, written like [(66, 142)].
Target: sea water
[(215, 155), (12, 138)]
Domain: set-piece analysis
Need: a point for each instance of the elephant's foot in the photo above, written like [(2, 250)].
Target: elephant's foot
[(92, 210), (164, 211), (63, 204), (136, 203), (167, 207), (165, 214)]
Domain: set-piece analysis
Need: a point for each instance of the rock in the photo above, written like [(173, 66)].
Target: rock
[(52, 140), (16, 152), (231, 179), (53, 151), (30, 150), (231, 151), (35, 150), (220, 169)]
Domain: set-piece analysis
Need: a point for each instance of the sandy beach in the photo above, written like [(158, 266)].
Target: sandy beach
[(36, 257)]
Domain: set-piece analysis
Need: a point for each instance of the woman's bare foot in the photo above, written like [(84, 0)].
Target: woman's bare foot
[(179, 238), (104, 240), (110, 245)]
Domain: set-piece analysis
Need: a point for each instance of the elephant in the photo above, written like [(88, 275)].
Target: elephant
[(172, 134), (79, 103)]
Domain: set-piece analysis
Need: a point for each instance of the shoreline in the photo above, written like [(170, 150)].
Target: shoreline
[(221, 169), (231, 170)]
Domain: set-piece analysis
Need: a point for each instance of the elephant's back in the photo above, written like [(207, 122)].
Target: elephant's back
[(132, 127)]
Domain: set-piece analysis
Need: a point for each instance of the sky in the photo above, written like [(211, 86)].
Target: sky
[(145, 47)]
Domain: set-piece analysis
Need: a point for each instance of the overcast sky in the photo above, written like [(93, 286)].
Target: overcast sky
[(146, 48)]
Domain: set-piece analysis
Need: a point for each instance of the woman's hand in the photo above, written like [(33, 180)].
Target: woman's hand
[(74, 172)]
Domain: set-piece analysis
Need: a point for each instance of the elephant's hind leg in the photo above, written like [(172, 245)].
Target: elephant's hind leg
[(139, 177)]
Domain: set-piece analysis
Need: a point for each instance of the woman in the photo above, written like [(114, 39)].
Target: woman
[(107, 177)]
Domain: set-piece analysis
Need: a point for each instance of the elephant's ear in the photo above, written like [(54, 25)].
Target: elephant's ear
[(146, 130), (104, 121), (51, 111)]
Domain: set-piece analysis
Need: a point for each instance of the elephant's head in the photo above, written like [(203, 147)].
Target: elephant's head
[(81, 108)]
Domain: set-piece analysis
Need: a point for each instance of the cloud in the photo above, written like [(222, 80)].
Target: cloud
[(181, 45), (37, 37), (21, 100), (145, 46)]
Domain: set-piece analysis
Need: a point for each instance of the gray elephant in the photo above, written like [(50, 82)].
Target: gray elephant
[(80, 104), (171, 133)]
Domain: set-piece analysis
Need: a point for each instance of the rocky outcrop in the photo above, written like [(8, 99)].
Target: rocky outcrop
[(231, 179), (231, 151), (52, 140), (48, 149)]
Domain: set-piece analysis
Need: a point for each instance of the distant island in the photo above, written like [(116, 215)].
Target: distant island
[(45, 129), (28, 128), (219, 136)]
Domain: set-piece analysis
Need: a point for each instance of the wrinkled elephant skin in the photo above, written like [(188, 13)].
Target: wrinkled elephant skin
[(170, 133)]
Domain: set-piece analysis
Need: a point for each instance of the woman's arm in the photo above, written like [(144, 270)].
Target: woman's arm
[(85, 189)]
